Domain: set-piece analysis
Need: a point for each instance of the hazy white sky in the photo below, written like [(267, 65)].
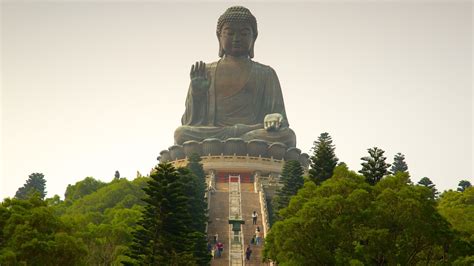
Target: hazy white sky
[(89, 88)]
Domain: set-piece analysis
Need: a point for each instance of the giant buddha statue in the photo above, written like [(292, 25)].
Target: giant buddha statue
[(235, 97)]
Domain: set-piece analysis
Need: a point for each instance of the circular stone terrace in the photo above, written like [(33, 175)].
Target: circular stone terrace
[(235, 154)]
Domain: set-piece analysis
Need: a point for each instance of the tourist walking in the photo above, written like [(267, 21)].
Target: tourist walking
[(254, 217), (258, 236), (220, 249), (248, 252), (209, 246)]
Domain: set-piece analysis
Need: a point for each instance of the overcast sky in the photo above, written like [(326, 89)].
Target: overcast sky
[(89, 88)]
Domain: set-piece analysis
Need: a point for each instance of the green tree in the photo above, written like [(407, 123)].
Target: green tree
[(54, 201), (324, 159), (292, 180), (33, 235), (346, 221), (195, 166), (117, 194), (104, 218), (463, 185), (425, 181), (399, 164), (197, 208), (164, 235), (82, 188), (35, 184), (196, 192), (374, 167), (458, 208)]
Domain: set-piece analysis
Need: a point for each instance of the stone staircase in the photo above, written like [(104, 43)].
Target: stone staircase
[(219, 223), (250, 203), (219, 215)]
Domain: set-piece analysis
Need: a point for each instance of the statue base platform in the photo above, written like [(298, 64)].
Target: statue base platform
[(255, 161), (224, 165), (216, 152)]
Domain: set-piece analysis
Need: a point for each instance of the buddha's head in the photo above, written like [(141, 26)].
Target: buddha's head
[(237, 32)]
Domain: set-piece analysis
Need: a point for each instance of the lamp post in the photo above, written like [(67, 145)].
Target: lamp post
[(236, 228)]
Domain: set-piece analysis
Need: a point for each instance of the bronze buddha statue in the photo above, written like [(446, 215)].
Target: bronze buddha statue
[(235, 97)]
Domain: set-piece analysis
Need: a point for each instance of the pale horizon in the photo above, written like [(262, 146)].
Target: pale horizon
[(89, 88)]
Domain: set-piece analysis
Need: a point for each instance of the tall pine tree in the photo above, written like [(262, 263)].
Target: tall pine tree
[(164, 234), (323, 160), (197, 207), (463, 185), (197, 191), (399, 164), (426, 182), (35, 184), (374, 166), (292, 179)]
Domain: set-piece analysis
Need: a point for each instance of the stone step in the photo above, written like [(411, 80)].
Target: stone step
[(219, 223), (222, 186), (250, 203), (244, 187), (219, 215)]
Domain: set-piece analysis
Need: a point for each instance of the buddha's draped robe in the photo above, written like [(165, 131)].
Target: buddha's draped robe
[(241, 115)]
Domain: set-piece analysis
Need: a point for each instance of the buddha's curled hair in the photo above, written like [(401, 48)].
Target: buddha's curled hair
[(237, 14)]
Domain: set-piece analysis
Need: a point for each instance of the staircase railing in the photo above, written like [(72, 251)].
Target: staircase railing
[(264, 210), (236, 238), (211, 185)]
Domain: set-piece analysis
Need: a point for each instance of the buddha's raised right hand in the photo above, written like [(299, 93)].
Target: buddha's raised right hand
[(200, 81)]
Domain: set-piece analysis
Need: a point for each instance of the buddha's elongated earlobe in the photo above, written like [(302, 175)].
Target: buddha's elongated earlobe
[(251, 53), (221, 50)]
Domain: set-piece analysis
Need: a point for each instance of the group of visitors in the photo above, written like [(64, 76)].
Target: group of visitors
[(216, 247), (257, 237)]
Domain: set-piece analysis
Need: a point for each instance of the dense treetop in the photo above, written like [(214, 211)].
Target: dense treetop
[(347, 221), (35, 184), (334, 216)]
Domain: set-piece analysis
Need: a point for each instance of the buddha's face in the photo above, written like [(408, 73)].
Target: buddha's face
[(236, 38)]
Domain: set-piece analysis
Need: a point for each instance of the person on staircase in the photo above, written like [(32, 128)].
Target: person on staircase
[(248, 252), (209, 246), (254, 217), (220, 249), (252, 241), (258, 236)]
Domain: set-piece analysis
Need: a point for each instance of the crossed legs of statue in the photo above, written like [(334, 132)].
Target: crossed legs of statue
[(246, 132)]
